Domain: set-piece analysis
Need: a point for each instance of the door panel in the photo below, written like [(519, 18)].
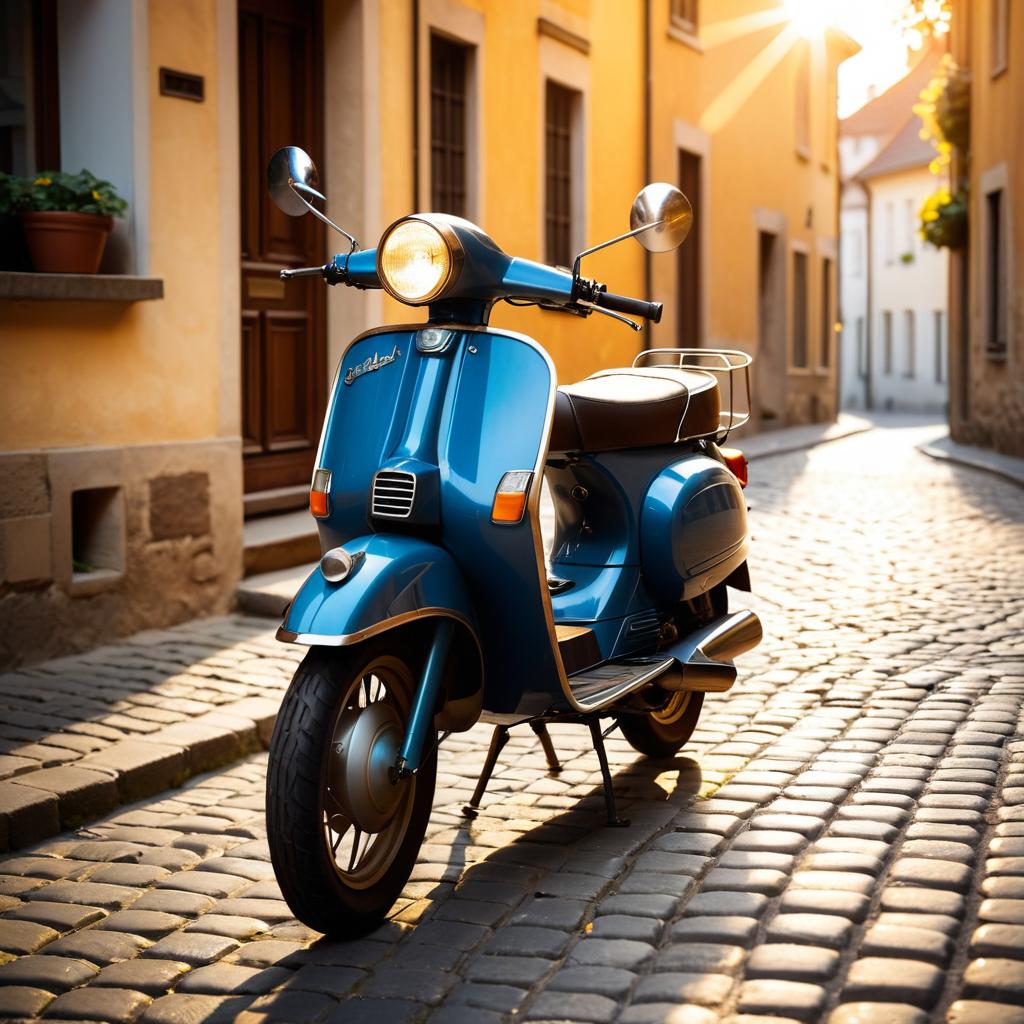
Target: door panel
[(283, 338), (288, 422)]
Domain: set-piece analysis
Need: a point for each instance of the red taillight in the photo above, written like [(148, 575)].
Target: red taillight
[(737, 463)]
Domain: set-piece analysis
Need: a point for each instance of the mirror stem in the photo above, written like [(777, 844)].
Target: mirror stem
[(298, 188), (611, 241)]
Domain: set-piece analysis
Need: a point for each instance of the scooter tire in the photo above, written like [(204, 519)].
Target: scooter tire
[(296, 777), (662, 734)]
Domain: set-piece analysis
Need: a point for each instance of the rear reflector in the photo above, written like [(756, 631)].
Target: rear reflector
[(510, 497), (737, 463), (319, 502)]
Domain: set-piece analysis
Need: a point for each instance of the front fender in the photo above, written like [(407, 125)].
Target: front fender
[(396, 580)]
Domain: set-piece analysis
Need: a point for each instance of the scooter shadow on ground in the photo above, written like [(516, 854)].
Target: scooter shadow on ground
[(532, 861)]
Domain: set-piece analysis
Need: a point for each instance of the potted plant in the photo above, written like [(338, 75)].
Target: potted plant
[(66, 219)]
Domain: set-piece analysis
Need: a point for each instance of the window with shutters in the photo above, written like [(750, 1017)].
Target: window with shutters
[(994, 264), (449, 68), (910, 344), (560, 118), (800, 310), (827, 329)]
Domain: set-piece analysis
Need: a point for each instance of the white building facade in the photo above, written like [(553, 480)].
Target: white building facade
[(893, 284), (906, 364)]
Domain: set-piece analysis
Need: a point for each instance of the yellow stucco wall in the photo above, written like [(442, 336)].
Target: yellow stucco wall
[(80, 373)]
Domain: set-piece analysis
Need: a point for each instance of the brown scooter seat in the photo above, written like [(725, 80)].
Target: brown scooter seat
[(638, 407)]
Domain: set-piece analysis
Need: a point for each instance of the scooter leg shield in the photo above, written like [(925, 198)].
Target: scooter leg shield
[(393, 580)]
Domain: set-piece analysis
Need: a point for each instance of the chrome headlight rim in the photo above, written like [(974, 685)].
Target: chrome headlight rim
[(456, 258)]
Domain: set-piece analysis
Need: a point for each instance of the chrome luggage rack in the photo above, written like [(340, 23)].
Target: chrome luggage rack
[(718, 363)]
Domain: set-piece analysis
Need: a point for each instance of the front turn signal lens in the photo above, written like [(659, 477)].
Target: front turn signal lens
[(417, 259), (737, 463), (319, 494), (510, 497)]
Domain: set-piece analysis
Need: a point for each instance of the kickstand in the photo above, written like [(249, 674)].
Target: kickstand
[(498, 740), (609, 793), (541, 730)]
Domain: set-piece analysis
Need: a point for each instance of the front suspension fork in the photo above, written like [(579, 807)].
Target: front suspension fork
[(424, 705)]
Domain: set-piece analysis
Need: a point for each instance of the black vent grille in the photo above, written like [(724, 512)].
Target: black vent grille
[(393, 494), (643, 627)]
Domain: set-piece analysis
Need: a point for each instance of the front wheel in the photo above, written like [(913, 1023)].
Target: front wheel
[(343, 838)]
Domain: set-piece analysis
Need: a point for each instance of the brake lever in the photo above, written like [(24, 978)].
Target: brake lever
[(590, 307)]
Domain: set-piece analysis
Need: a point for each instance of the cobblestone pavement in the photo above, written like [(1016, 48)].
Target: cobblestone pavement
[(842, 841), (81, 734)]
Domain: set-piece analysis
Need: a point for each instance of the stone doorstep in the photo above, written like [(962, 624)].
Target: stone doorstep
[(37, 804)]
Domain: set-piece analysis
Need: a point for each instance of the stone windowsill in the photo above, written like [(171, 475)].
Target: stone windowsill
[(80, 287)]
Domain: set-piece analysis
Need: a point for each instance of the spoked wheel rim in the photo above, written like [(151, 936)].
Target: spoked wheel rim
[(365, 816), (674, 709)]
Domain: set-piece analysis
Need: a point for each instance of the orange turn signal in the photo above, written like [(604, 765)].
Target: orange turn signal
[(737, 463), (510, 497), (319, 500)]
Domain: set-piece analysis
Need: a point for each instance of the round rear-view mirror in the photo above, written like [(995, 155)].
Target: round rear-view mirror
[(288, 167), (663, 215)]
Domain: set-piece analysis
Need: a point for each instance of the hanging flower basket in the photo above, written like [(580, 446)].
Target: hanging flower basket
[(944, 219)]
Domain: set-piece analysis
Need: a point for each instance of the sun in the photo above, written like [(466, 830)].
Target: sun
[(811, 17)]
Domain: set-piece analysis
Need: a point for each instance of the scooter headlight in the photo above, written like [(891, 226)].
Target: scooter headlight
[(417, 260)]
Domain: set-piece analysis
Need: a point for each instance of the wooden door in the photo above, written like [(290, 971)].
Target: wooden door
[(283, 337), (690, 304)]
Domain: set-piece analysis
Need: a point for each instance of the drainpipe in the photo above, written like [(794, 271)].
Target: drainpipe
[(645, 337), (869, 362), (415, 105)]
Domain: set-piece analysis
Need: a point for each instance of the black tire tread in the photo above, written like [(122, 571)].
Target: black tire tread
[(294, 828)]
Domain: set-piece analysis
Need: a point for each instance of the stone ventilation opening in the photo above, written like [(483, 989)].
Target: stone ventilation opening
[(97, 533)]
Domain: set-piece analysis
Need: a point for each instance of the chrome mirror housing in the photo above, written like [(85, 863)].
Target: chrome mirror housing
[(661, 217), (289, 170)]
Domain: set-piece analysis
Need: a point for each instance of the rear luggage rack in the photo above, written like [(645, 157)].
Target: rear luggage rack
[(724, 364)]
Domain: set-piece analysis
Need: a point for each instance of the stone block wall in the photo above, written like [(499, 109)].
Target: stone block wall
[(97, 543)]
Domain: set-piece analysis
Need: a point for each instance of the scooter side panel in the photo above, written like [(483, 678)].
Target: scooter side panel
[(395, 579), (496, 421)]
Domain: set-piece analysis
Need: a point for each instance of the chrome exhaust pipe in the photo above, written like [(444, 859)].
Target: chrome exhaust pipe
[(705, 656), (728, 637)]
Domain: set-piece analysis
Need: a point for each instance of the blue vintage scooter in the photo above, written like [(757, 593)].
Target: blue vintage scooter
[(433, 607)]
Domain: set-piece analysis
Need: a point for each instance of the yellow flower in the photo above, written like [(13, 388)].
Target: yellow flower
[(96, 195), (42, 181)]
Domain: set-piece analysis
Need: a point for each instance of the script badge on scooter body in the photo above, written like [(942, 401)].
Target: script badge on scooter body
[(375, 362)]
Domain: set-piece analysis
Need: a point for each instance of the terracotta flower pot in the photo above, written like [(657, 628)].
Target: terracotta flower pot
[(66, 243)]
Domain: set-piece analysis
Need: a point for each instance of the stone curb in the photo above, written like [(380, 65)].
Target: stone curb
[(1004, 466), (37, 804), (788, 440)]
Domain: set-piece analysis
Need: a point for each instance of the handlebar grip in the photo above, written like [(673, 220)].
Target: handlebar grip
[(631, 307), (288, 273)]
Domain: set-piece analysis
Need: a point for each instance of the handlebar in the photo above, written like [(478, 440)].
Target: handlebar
[(291, 272), (631, 307)]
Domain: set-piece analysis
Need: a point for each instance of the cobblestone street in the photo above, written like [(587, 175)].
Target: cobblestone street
[(842, 840)]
